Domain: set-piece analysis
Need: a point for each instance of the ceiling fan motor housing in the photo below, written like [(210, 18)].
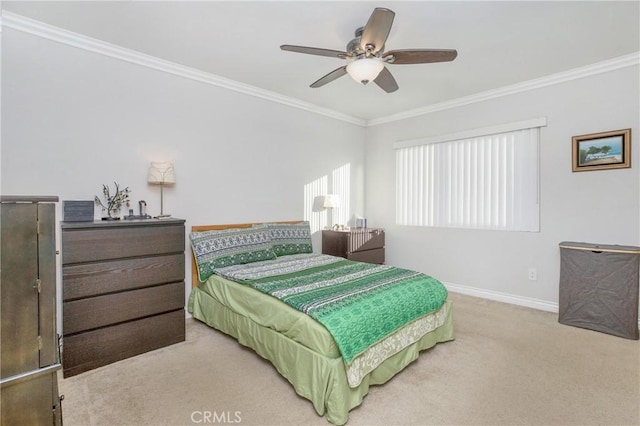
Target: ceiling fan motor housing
[(354, 47)]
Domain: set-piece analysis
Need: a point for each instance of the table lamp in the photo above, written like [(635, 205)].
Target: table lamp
[(161, 173), (330, 202)]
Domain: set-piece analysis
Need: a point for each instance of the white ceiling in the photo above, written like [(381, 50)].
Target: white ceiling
[(499, 43)]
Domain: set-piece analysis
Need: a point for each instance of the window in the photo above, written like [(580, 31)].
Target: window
[(484, 179)]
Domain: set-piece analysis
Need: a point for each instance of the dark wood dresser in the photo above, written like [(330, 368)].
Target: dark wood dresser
[(359, 244), (122, 290)]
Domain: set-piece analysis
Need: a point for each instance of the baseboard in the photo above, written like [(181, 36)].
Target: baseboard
[(529, 302)]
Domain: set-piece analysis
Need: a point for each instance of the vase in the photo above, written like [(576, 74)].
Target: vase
[(111, 214)]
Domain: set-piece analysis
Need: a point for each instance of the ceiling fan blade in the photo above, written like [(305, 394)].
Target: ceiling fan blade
[(337, 73), (386, 81), (315, 51), (376, 31), (420, 56)]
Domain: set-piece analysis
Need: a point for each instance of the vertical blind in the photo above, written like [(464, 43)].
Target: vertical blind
[(483, 182)]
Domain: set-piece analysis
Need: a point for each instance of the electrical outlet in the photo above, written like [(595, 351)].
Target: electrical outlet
[(532, 274)]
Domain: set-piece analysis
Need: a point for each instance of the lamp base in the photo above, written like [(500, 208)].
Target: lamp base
[(162, 216)]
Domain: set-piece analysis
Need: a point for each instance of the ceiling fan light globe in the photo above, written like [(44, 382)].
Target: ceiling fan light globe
[(365, 70)]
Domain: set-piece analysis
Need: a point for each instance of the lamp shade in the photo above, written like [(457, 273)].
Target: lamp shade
[(331, 201), (365, 70), (161, 173)]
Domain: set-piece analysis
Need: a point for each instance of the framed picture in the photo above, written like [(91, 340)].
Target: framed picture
[(601, 151)]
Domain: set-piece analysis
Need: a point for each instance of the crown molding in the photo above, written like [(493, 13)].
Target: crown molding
[(50, 32), (550, 80)]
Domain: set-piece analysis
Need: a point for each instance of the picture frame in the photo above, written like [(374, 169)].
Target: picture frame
[(602, 151)]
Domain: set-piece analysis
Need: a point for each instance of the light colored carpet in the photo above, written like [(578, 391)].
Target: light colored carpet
[(509, 365)]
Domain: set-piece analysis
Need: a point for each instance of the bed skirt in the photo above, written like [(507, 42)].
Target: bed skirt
[(316, 377)]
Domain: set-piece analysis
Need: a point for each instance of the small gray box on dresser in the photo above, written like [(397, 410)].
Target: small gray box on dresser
[(77, 211)]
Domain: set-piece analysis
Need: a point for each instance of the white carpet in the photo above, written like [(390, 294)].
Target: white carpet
[(509, 365)]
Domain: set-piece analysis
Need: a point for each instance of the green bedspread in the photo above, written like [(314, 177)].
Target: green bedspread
[(359, 303)]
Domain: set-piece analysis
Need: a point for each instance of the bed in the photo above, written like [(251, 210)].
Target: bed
[(247, 294)]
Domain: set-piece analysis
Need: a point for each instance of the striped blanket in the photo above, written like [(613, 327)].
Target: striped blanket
[(359, 303)]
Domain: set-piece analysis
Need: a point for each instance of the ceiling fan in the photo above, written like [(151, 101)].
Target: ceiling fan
[(366, 55)]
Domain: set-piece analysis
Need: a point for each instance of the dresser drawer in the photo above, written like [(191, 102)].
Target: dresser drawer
[(101, 243), (85, 351), (365, 240), (360, 245), (100, 311), (93, 279), (334, 243), (369, 256)]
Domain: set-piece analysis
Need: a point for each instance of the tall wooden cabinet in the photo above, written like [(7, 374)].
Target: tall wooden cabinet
[(123, 290), (29, 355)]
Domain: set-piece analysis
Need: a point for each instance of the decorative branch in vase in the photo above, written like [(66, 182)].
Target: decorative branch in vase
[(113, 203)]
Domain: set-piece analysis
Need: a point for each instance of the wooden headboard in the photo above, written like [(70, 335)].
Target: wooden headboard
[(201, 228)]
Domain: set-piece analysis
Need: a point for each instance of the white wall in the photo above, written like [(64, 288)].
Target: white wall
[(597, 207), (73, 120)]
